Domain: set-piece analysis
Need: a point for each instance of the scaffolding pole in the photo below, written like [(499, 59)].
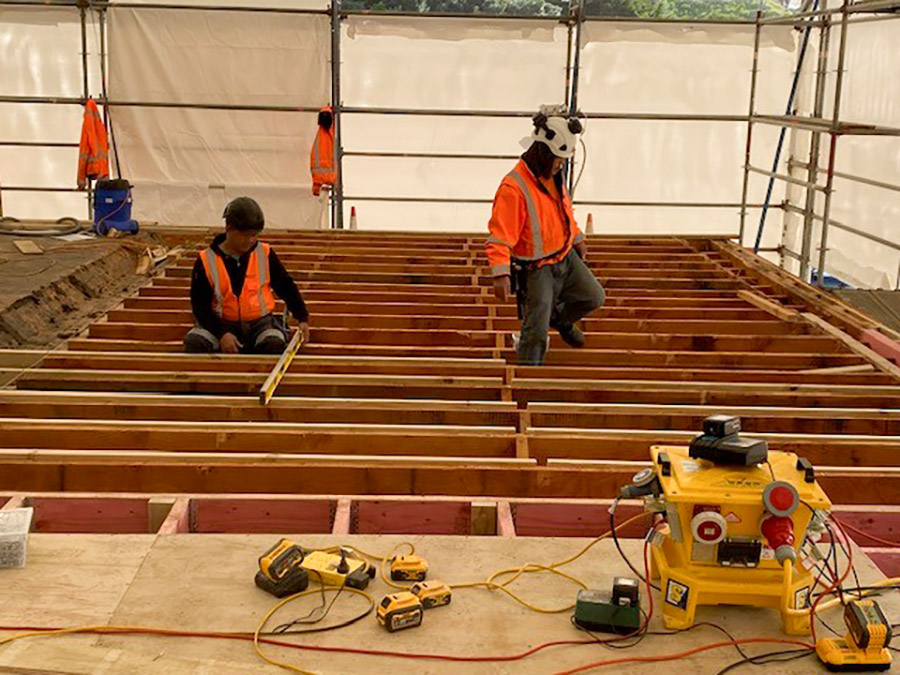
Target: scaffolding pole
[(337, 198), (86, 90), (752, 108), (836, 116), (815, 141), (578, 11)]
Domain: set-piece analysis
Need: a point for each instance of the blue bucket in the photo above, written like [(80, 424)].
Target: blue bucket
[(112, 207)]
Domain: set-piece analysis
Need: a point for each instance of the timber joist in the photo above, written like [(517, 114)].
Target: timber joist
[(409, 384)]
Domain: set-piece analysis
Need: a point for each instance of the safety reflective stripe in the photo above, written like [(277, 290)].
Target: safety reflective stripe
[(496, 240), (318, 167), (499, 270), (537, 241), (317, 160), (213, 268), (262, 260)]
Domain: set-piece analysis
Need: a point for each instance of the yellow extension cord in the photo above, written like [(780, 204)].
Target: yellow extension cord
[(281, 603)]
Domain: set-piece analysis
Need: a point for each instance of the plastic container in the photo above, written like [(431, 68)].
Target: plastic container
[(112, 207), (14, 527)]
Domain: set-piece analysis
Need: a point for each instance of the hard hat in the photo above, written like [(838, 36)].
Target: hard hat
[(557, 133), (243, 213)]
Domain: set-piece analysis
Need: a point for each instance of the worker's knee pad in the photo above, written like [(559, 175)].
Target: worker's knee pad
[(270, 341), (200, 341)]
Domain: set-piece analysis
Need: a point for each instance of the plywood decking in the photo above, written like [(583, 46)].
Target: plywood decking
[(204, 582)]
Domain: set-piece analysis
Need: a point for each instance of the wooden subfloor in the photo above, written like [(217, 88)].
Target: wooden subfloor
[(204, 582), (410, 386)]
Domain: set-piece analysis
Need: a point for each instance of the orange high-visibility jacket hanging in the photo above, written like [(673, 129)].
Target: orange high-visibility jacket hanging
[(256, 299), (321, 156), (93, 152), (530, 221)]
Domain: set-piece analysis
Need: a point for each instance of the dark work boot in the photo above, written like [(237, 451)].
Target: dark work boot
[(571, 335)]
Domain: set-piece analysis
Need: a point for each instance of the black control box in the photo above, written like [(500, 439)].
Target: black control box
[(721, 426), (719, 444)]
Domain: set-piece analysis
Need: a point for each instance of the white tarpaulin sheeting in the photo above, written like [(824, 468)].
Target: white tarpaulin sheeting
[(40, 52), (870, 95), (505, 65), (186, 163), (672, 69)]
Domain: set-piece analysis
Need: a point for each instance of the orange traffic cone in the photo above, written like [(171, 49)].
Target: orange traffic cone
[(589, 228), (352, 217)]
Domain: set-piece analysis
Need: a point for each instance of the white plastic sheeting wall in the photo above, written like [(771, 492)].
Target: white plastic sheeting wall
[(871, 95), (40, 56), (502, 65), (664, 68), (187, 163), (437, 64)]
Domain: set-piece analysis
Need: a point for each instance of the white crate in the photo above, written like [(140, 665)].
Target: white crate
[(14, 527)]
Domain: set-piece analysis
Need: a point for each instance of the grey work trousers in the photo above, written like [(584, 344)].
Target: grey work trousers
[(558, 296), (263, 336)]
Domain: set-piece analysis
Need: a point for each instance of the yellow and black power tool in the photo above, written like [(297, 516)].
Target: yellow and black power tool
[(286, 568), (280, 570), (864, 647)]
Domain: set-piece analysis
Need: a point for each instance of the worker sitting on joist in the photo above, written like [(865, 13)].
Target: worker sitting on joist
[(535, 242), (233, 289)]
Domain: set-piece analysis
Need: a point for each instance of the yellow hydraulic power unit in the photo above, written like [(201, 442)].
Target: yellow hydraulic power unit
[(398, 611), (864, 648), (736, 518)]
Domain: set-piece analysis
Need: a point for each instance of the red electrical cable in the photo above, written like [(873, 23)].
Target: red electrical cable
[(867, 535), (837, 583), (313, 648), (681, 655)]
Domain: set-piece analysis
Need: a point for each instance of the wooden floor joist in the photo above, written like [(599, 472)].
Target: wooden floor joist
[(409, 385)]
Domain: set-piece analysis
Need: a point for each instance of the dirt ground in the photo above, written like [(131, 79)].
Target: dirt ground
[(49, 297)]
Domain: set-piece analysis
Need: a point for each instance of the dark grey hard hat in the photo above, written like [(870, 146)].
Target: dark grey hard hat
[(243, 213)]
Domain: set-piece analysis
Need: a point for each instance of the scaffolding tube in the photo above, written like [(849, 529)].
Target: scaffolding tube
[(754, 72), (842, 226), (789, 110), (785, 178), (832, 152), (337, 198), (851, 177)]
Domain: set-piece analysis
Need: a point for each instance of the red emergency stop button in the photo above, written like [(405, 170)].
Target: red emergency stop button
[(709, 527), (781, 498)]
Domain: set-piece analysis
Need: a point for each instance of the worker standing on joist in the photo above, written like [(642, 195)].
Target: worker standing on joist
[(535, 242), (233, 289)]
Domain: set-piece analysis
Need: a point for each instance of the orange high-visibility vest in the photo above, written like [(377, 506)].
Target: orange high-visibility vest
[(93, 151), (321, 156), (256, 299), (528, 223)]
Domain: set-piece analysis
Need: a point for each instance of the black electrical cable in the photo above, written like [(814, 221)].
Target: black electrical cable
[(308, 619), (325, 629), (283, 628), (771, 657), (854, 589), (615, 538), (846, 553), (610, 642)]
